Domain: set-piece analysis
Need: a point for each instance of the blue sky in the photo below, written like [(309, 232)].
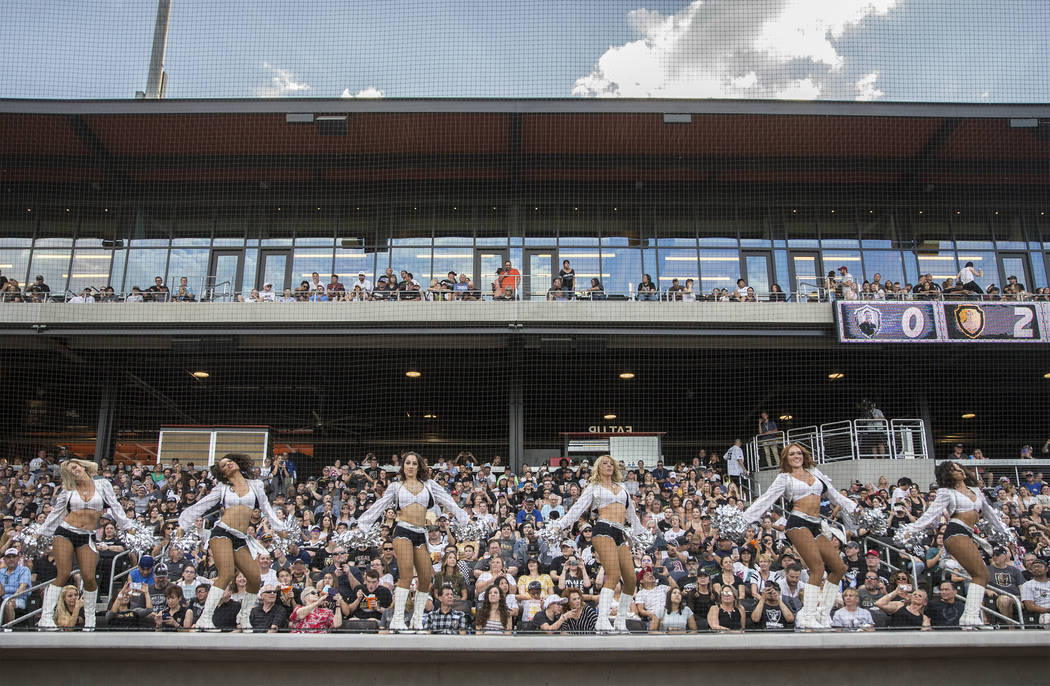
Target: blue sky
[(894, 50)]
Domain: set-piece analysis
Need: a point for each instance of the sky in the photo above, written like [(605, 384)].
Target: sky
[(889, 50)]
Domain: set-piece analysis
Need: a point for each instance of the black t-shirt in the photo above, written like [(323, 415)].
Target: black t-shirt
[(179, 616), (538, 620), (373, 603), (904, 618), (944, 614), (262, 620), (772, 618)]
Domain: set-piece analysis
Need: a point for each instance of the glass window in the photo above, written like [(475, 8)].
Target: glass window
[(586, 263), (623, 267), (414, 260), (718, 269), (941, 264), (53, 265), (886, 263), (459, 260), (1038, 270), (251, 266), (90, 268), (308, 259), (756, 229), (144, 265), (191, 263), (677, 264), (850, 259), (911, 268), (985, 261), (782, 277), (349, 262), (14, 264)]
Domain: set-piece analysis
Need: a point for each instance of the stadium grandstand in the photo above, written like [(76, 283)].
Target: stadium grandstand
[(511, 281)]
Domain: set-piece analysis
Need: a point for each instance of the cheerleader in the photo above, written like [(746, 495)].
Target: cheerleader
[(232, 549), (959, 496), (802, 484), (412, 494), (73, 520), (606, 495)]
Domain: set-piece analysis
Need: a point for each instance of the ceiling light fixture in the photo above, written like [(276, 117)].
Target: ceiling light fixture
[(626, 376), (968, 415), (609, 416), (835, 376), (199, 374)]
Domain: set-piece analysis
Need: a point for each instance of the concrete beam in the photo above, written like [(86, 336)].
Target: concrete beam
[(760, 658)]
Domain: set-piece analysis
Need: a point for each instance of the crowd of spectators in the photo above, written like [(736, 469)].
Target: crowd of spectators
[(842, 285), (691, 578)]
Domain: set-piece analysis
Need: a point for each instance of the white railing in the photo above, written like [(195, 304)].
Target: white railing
[(857, 439)]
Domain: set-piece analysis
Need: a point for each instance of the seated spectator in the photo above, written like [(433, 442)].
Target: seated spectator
[(158, 292), (1035, 593), (678, 616), (269, 616), (551, 618), (316, 615), (688, 293), (492, 616), (776, 294), (15, 578), (173, 614), (647, 289), (650, 599), (727, 615), (135, 297), (595, 291), (580, 618), (267, 294), (558, 292), (370, 600), (851, 615), (121, 615), (945, 611), (773, 610), (70, 609), (913, 613), (445, 618), (674, 291)]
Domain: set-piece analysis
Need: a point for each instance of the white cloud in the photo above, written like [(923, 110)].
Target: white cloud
[(370, 92), (281, 83), (730, 49), (866, 88)]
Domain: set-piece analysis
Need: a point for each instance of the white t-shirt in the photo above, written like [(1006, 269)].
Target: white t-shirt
[(966, 275), (852, 620), (1036, 591)]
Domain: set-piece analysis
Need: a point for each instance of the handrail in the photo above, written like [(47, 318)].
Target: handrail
[(113, 570), (849, 440), (1015, 599), (26, 616)]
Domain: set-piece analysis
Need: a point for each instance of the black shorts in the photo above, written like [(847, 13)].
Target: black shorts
[(796, 522), (416, 538), (957, 529), (77, 539), (604, 529), (237, 541)]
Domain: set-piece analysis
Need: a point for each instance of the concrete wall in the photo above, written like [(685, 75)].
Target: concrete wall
[(858, 659)]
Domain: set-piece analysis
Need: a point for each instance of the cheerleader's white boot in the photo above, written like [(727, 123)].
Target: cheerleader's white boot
[(605, 601)]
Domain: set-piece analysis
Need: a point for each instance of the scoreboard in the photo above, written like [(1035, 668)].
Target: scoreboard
[(942, 322)]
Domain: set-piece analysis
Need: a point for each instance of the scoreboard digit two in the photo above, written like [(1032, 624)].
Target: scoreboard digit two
[(999, 322)]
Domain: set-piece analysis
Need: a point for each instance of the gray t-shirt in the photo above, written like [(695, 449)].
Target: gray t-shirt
[(1007, 578)]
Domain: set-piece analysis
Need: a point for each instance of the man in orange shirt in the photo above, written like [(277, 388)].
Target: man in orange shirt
[(509, 280)]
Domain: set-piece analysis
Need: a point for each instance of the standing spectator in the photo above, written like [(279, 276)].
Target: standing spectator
[(767, 428), (38, 291), (15, 578), (946, 610), (734, 458), (335, 288), (568, 276), (509, 281), (158, 292)]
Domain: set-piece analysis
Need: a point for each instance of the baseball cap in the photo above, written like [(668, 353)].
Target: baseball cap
[(160, 570), (843, 268), (535, 585), (146, 561), (11, 551), (871, 553), (999, 550), (553, 600), (853, 544)]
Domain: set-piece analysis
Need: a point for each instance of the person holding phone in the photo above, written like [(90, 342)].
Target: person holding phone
[(606, 496), (413, 493), (315, 615)]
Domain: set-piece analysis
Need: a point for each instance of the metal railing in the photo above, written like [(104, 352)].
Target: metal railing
[(856, 439), (27, 616)]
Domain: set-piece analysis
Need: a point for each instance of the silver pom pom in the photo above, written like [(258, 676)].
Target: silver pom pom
[(993, 535), (729, 522), (873, 519), (189, 542), (641, 541), (138, 538), (552, 536), (289, 534), (360, 539), (911, 539), (32, 541), (471, 531)]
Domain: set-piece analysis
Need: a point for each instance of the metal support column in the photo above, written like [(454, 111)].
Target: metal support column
[(927, 423), (515, 405), (156, 84), (107, 412)]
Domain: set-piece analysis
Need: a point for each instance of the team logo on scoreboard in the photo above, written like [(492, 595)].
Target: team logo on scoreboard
[(868, 320), (970, 319)]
